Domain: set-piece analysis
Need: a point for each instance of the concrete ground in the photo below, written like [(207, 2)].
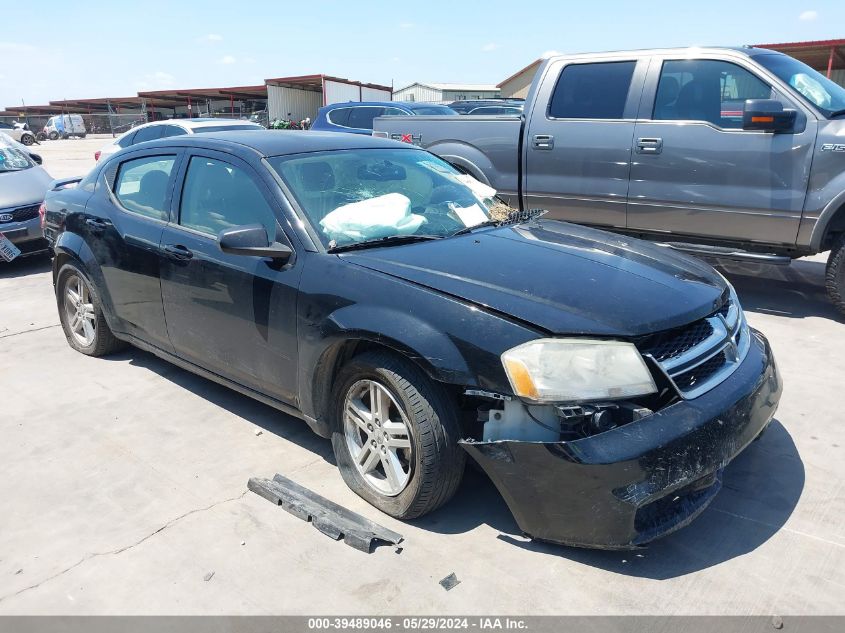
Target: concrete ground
[(124, 489)]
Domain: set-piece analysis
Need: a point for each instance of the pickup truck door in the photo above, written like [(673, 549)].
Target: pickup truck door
[(696, 172), (578, 140)]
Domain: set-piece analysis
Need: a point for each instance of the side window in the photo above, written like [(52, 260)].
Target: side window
[(141, 185), (592, 91), (126, 141), (5, 126), (340, 116), (362, 117), (217, 196), (706, 90), (148, 133), (393, 112), (172, 130)]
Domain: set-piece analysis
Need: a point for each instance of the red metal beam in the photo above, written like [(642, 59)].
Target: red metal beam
[(830, 61)]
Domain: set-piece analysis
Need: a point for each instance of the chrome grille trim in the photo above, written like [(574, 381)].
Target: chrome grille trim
[(729, 337)]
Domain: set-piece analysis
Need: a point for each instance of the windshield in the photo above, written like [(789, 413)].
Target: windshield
[(353, 196), (432, 110), (810, 84), (12, 159)]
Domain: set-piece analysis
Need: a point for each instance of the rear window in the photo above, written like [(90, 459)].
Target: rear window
[(225, 128), (592, 91)]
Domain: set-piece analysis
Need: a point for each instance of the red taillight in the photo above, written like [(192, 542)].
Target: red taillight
[(97, 155), (42, 213)]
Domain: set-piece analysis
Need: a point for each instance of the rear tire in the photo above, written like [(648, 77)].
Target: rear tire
[(27, 139), (835, 274), (421, 441), (81, 314)]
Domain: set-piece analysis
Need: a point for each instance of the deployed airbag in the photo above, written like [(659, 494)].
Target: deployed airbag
[(381, 216)]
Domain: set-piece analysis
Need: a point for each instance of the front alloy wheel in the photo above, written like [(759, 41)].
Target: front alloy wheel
[(395, 434), (377, 436)]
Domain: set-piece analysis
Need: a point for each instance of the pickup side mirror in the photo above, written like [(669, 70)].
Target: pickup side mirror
[(251, 239), (767, 115)]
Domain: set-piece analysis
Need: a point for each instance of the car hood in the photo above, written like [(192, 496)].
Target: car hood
[(19, 188), (559, 277)]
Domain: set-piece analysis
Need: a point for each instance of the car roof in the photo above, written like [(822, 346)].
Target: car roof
[(353, 104), (278, 142)]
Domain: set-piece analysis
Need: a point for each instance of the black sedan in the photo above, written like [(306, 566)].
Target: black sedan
[(362, 285)]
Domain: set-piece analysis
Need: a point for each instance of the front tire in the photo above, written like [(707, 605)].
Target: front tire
[(27, 139), (395, 434), (835, 274), (53, 136), (81, 314)]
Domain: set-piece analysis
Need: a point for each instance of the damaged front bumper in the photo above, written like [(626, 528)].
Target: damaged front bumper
[(641, 481)]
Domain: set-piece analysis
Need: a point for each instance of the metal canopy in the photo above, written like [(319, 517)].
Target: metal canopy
[(823, 55)]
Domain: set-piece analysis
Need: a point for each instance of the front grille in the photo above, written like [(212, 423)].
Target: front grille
[(21, 213), (701, 374), (699, 356), (675, 342)]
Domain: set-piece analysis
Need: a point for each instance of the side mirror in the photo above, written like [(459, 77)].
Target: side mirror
[(36, 157), (251, 239), (767, 115)]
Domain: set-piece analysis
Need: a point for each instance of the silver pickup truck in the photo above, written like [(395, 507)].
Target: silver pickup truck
[(725, 152)]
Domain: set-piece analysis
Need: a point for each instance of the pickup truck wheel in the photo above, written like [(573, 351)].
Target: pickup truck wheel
[(835, 274), (395, 435), (81, 315)]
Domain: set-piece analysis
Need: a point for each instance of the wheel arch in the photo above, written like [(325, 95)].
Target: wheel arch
[(71, 248), (402, 334), (831, 222)]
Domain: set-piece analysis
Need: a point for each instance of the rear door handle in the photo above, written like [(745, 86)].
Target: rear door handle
[(177, 251), (649, 145), (543, 141), (97, 225)]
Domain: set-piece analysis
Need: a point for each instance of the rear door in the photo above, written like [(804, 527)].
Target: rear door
[(578, 143), (233, 315), (122, 225), (696, 172)]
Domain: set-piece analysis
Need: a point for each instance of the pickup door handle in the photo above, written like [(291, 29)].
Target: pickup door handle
[(177, 251), (649, 145), (543, 141)]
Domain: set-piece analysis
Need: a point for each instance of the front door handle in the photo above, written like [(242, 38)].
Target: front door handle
[(177, 251), (543, 141), (649, 145)]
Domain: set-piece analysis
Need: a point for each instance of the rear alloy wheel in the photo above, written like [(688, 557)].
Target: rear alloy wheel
[(81, 315), (27, 139), (395, 434), (835, 274)]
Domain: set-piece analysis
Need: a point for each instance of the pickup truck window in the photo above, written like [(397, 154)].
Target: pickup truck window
[(706, 90), (592, 91)]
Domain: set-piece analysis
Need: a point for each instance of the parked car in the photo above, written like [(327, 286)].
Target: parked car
[(723, 152), (466, 106), (357, 118), (173, 127), (360, 284), (19, 132), (65, 126), (23, 183)]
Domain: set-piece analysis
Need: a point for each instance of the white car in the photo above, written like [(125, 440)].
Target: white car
[(172, 127)]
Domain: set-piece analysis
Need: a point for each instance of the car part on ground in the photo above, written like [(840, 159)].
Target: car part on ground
[(412, 348), (328, 517)]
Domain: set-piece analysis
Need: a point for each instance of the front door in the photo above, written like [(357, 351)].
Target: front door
[(696, 172), (578, 151), (231, 314)]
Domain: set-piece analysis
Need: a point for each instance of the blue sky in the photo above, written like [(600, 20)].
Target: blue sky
[(78, 50)]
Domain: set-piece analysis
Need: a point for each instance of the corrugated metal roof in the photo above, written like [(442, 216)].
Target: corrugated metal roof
[(447, 86)]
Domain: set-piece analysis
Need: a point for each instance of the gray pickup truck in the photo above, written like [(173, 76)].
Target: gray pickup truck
[(725, 152)]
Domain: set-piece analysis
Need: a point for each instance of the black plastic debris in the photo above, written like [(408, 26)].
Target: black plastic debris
[(328, 517), (450, 581)]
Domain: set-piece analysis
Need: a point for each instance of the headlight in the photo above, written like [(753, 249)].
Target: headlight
[(576, 370)]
